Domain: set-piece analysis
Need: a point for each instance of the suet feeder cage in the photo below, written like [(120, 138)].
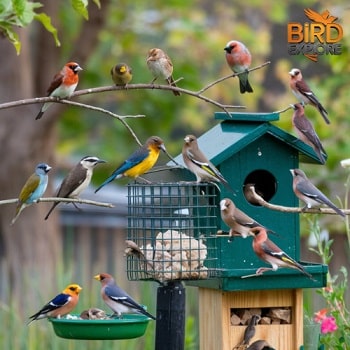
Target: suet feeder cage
[(127, 327), (247, 149)]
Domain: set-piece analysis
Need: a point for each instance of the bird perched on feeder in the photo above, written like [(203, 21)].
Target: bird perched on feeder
[(121, 74), (117, 299), (62, 304), (306, 131), (238, 221), (249, 332), (63, 84), (269, 252), (199, 164), (142, 160), (307, 192), (303, 93), (160, 65), (77, 180), (33, 189), (260, 345), (239, 59)]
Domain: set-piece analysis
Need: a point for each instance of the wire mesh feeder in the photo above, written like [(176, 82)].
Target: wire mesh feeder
[(171, 231)]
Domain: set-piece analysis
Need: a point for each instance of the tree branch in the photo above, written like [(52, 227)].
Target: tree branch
[(64, 200), (284, 209)]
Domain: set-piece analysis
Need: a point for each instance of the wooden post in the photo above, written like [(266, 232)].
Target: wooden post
[(216, 331)]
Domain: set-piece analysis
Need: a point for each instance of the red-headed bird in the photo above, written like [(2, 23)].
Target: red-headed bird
[(117, 299), (307, 192), (303, 93), (238, 221), (268, 251), (60, 305), (139, 162), (306, 131), (160, 65), (239, 59), (199, 164), (63, 84)]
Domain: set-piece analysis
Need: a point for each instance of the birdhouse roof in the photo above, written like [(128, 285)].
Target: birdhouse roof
[(238, 130)]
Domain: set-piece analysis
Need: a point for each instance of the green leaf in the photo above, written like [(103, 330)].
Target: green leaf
[(11, 35), (24, 11), (97, 3), (80, 6), (46, 22)]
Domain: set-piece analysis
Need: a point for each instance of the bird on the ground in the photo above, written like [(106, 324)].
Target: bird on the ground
[(303, 93), (306, 131), (307, 192), (198, 163), (142, 160), (238, 221), (239, 59), (117, 299), (33, 189), (121, 74), (160, 65), (62, 304), (63, 84), (269, 252), (77, 180)]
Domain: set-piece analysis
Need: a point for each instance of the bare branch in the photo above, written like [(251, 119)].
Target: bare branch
[(65, 200), (284, 209)]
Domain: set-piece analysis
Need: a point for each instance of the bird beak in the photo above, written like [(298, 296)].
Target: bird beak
[(293, 106), (291, 73), (187, 139), (79, 289), (223, 205), (292, 171), (78, 68), (101, 161), (97, 277)]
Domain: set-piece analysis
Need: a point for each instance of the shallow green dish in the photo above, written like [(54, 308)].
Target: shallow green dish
[(130, 326)]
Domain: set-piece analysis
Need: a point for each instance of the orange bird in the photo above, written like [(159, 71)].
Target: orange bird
[(63, 84)]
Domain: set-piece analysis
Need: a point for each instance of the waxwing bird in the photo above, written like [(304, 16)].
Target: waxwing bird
[(249, 332), (304, 94), (306, 131), (62, 304), (33, 189), (268, 251), (63, 84), (199, 164), (260, 345), (139, 162), (121, 74), (239, 59), (307, 192), (117, 299), (77, 180), (238, 221), (160, 65)]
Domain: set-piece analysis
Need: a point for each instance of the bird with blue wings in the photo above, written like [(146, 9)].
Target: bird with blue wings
[(33, 189), (60, 305), (117, 299), (142, 160)]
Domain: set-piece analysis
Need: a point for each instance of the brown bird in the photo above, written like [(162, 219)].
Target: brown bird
[(238, 222), (306, 131), (303, 93), (249, 332), (160, 65), (121, 74)]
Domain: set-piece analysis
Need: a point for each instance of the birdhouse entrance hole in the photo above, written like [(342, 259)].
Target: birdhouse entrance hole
[(264, 182)]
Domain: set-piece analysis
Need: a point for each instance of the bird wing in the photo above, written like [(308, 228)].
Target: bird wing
[(120, 296), (305, 90), (71, 182), (30, 186), (309, 190), (313, 15), (57, 302), (55, 83)]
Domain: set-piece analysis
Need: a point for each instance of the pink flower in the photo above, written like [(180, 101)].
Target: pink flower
[(320, 315), (328, 325)]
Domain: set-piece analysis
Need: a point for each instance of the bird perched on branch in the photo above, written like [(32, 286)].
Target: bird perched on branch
[(33, 189), (121, 74), (303, 93), (160, 65), (62, 304), (306, 131), (307, 192), (238, 221), (269, 252), (199, 164), (117, 299), (63, 84), (77, 180), (139, 162), (239, 59)]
